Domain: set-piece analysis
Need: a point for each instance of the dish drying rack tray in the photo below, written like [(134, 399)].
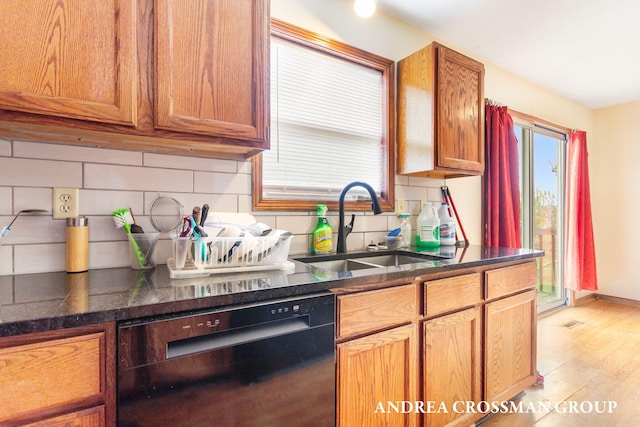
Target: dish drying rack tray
[(218, 255)]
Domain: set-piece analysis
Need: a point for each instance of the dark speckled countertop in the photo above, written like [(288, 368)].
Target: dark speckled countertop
[(46, 301)]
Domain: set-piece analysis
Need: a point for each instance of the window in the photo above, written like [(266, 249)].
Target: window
[(542, 188), (331, 124)]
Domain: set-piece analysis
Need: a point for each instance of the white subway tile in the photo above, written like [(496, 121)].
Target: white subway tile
[(190, 163), (411, 193), (33, 229), (6, 204), (367, 223), (103, 202), (103, 228), (5, 148), (112, 177), (245, 204), (6, 257), (109, 254), (434, 195), (39, 150), (301, 244), (401, 180), (6, 290), (222, 183), (39, 258), (245, 167), (298, 224), (40, 173), (32, 198)]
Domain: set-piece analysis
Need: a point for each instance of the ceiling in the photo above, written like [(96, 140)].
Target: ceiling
[(584, 50)]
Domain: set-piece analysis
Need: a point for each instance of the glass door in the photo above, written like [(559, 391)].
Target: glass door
[(542, 188)]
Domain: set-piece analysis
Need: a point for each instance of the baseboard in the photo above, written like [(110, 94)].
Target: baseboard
[(583, 300), (617, 300)]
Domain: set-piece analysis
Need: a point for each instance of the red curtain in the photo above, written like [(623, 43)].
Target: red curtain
[(580, 256), (502, 190)]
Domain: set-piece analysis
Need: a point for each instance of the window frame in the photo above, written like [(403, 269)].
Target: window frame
[(346, 52)]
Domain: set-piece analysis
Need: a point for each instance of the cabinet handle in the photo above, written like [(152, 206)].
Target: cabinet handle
[(236, 337)]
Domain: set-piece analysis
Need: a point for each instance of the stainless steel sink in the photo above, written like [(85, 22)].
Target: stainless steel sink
[(360, 261), (394, 259), (339, 265)]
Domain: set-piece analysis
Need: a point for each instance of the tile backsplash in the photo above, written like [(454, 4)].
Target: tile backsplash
[(110, 179)]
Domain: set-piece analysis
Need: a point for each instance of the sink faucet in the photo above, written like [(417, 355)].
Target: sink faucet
[(343, 231)]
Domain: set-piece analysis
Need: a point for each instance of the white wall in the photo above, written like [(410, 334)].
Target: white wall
[(615, 196)]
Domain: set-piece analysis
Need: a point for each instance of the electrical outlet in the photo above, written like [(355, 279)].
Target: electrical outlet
[(401, 206), (65, 203)]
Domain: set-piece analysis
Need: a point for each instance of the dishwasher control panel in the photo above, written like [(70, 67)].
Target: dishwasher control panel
[(146, 341)]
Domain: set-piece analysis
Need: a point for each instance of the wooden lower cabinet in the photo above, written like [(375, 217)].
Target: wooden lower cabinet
[(92, 417), (434, 351), (510, 346), (59, 378), (377, 374), (451, 361)]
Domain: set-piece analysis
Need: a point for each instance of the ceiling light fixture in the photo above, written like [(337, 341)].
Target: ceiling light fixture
[(365, 8)]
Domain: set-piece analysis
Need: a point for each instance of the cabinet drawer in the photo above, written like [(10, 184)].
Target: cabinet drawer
[(445, 295), (47, 374), (92, 417), (375, 310), (507, 280)]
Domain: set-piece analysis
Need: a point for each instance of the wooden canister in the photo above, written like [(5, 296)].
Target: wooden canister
[(77, 244)]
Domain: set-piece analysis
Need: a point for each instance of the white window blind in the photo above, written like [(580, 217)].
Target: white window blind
[(326, 124)]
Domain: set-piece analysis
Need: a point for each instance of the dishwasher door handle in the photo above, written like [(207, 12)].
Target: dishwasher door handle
[(235, 337)]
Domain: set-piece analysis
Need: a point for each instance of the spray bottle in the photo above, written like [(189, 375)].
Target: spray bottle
[(322, 237)]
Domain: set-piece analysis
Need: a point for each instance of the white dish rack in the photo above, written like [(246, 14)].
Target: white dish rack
[(216, 255)]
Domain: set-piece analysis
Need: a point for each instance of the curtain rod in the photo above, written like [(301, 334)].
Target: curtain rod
[(493, 102)]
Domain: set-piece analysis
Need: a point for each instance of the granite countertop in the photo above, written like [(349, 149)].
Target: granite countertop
[(47, 301)]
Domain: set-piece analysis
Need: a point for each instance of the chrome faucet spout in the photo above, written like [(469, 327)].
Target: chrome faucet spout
[(343, 230)]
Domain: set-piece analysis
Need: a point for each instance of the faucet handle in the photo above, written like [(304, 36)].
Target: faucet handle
[(349, 227)]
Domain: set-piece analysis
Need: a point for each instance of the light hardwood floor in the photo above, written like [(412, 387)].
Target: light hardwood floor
[(596, 360)]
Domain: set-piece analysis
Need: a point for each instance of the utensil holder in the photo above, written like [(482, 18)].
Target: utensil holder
[(141, 249)]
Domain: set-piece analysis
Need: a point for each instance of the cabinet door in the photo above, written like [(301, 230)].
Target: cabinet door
[(211, 68), (460, 116), (510, 346), (373, 372), (452, 362), (69, 58)]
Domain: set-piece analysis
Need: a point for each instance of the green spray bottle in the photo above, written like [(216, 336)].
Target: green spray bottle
[(322, 237)]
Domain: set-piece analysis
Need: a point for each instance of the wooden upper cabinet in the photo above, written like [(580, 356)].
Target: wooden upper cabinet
[(440, 114), (69, 58), (184, 77), (211, 68)]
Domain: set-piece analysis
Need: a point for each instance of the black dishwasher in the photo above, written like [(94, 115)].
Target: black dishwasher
[(266, 364)]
